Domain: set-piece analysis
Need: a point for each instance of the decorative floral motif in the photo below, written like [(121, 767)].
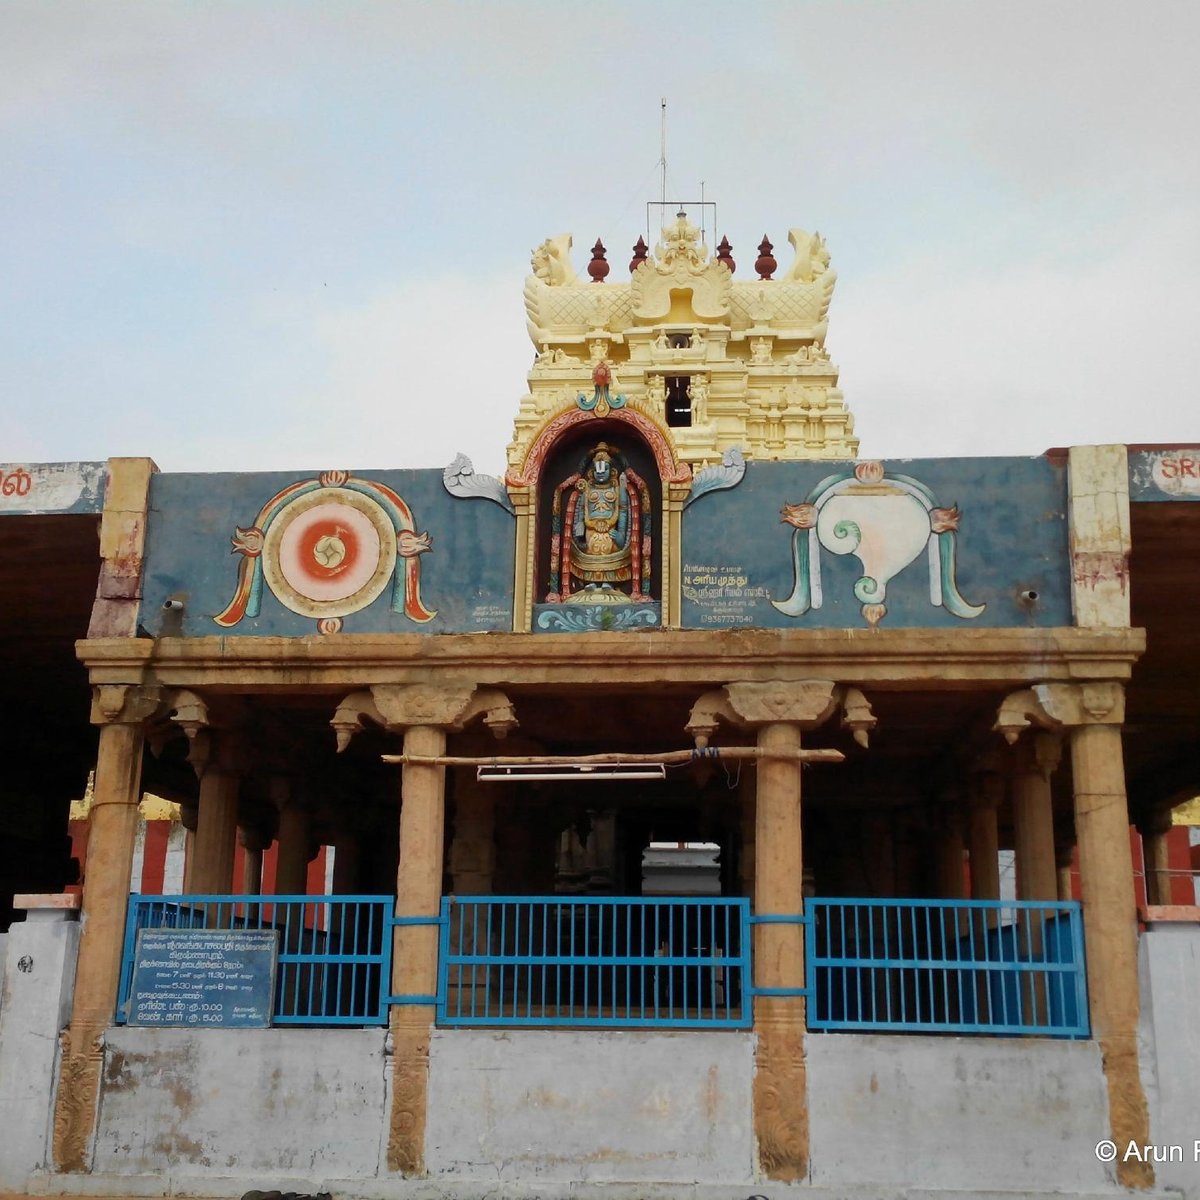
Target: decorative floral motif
[(584, 618)]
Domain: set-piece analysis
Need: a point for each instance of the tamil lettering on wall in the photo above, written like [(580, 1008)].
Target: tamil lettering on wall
[(28, 488)]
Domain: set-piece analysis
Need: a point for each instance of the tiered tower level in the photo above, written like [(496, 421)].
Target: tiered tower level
[(720, 363)]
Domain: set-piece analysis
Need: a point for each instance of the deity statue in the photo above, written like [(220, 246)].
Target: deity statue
[(600, 530)]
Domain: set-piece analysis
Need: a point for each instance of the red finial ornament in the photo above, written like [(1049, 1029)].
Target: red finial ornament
[(725, 255), (598, 268), (641, 252), (765, 263)]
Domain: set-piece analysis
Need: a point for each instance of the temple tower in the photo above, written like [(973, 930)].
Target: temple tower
[(717, 364)]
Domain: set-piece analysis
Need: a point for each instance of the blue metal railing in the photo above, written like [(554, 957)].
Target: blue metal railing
[(615, 962), (335, 952), (958, 966)]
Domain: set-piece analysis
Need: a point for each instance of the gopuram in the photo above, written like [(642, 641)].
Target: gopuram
[(698, 808)]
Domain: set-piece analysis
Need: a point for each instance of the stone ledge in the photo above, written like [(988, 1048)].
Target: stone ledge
[(1169, 914), (36, 900)]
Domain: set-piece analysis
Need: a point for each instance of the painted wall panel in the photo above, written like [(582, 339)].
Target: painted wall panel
[(936, 542), (277, 553)]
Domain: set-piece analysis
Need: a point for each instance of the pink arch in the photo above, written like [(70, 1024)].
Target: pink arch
[(670, 469)]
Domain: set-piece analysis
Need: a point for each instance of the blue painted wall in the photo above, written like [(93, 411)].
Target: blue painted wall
[(467, 576), (1012, 536)]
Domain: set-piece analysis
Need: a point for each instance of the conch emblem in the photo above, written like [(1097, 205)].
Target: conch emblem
[(885, 521)]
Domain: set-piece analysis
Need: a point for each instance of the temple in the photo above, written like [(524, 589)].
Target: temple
[(699, 808)]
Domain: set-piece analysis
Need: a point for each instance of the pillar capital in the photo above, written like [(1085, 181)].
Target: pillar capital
[(401, 706), (124, 704), (253, 837), (1154, 822), (1054, 706), (988, 789), (806, 703), (1038, 754)]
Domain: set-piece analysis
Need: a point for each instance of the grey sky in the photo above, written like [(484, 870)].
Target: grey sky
[(293, 235)]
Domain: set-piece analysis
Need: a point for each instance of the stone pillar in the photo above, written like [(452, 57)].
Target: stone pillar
[(983, 838), (880, 856), (1033, 816), (414, 969), (1064, 860), (473, 850), (905, 849), (295, 850), (347, 862), (216, 832), (120, 711), (779, 711), (747, 785), (951, 855), (189, 818), (1093, 713), (253, 842), (424, 714), (780, 1122), (1154, 827)]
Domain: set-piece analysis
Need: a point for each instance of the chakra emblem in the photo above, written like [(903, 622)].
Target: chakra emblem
[(328, 547)]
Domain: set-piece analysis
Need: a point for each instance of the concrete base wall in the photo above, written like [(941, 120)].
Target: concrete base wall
[(256, 1104), (581, 1106), (1170, 1050), (1021, 1115), (39, 970)]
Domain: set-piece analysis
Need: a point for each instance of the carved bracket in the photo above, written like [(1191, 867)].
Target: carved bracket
[(806, 702), (1054, 706), (124, 704), (399, 706)]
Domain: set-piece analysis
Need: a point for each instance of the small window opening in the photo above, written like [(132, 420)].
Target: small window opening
[(679, 341), (679, 401)]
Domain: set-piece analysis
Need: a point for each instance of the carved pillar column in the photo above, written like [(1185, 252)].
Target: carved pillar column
[(120, 713), (1154, 827), (1033, 816), (424, 714), (779, 712), (1093, 713)]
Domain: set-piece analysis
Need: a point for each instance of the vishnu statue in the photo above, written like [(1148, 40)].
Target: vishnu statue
[(600, 547)]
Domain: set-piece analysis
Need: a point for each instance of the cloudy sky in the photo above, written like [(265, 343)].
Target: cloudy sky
[(265, 235)]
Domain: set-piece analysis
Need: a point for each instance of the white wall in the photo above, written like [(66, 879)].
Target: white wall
[(1019, 1115), (255, 1104), (1169, 1037), (39, 971), (589, 1106)]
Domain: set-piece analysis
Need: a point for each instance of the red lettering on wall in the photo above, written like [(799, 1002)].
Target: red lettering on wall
[(16, 483)]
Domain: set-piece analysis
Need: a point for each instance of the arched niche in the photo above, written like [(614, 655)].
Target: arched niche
[(553, 457)]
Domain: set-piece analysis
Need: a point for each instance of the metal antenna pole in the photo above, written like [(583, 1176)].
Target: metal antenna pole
[(663, 157)]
